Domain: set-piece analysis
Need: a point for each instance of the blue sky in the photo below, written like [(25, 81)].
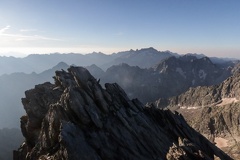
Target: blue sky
[(211, 27)]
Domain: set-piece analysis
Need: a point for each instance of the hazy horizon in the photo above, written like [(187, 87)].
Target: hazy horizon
[(22, 55), (42, 27)]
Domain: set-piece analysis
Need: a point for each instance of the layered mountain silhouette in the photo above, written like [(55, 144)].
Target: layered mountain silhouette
[(144, 58), (170, 77), (39, 63), (75, 118), (139, 72)]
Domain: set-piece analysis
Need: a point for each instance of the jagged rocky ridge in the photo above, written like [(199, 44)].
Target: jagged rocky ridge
[(170, 77), (76, 118), (165, 80), (213, 111), (206, 95)]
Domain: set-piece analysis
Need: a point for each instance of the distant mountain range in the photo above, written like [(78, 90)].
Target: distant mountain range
[(143, 58), (146, 74), (38, 63), (75, 118), (169, 77)]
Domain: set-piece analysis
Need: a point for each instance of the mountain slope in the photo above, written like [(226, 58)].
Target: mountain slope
[(76, 118), (12, 88), (206, 95), (170, 77), (213, 111)]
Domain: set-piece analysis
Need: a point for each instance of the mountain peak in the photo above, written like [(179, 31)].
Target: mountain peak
[(76, 118), (151, 49), (62, 64), (195, 55)]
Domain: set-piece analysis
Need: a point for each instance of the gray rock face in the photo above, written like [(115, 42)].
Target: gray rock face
[(205, 96), (220, 124), (192, 71), (170, 77), (147, 85), (76, 118), (213, 111)]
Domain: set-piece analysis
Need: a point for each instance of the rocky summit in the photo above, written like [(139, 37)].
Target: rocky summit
[(76, 118)]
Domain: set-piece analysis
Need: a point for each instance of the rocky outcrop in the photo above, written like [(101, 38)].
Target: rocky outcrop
[(76, 118), (213, 111), (219, 120), (226, 92), (220, 124), (192, 70)]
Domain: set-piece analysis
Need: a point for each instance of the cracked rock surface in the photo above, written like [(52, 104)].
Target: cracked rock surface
[(76, 118)]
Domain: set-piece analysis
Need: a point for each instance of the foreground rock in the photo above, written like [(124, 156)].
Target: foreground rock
[(76, 118)]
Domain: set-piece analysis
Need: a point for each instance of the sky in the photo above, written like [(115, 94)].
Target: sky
[(210, 27)]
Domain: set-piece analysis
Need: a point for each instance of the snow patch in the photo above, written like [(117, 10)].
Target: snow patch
[(180, 71), (164, 69), (202, 74), (193, 82), (188, 107), (221, 142), (227, 101)]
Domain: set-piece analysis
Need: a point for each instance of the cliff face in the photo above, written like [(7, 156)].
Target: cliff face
[(76, 118), (227, 91), (213, 111), (219, 123), (171, 77)]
